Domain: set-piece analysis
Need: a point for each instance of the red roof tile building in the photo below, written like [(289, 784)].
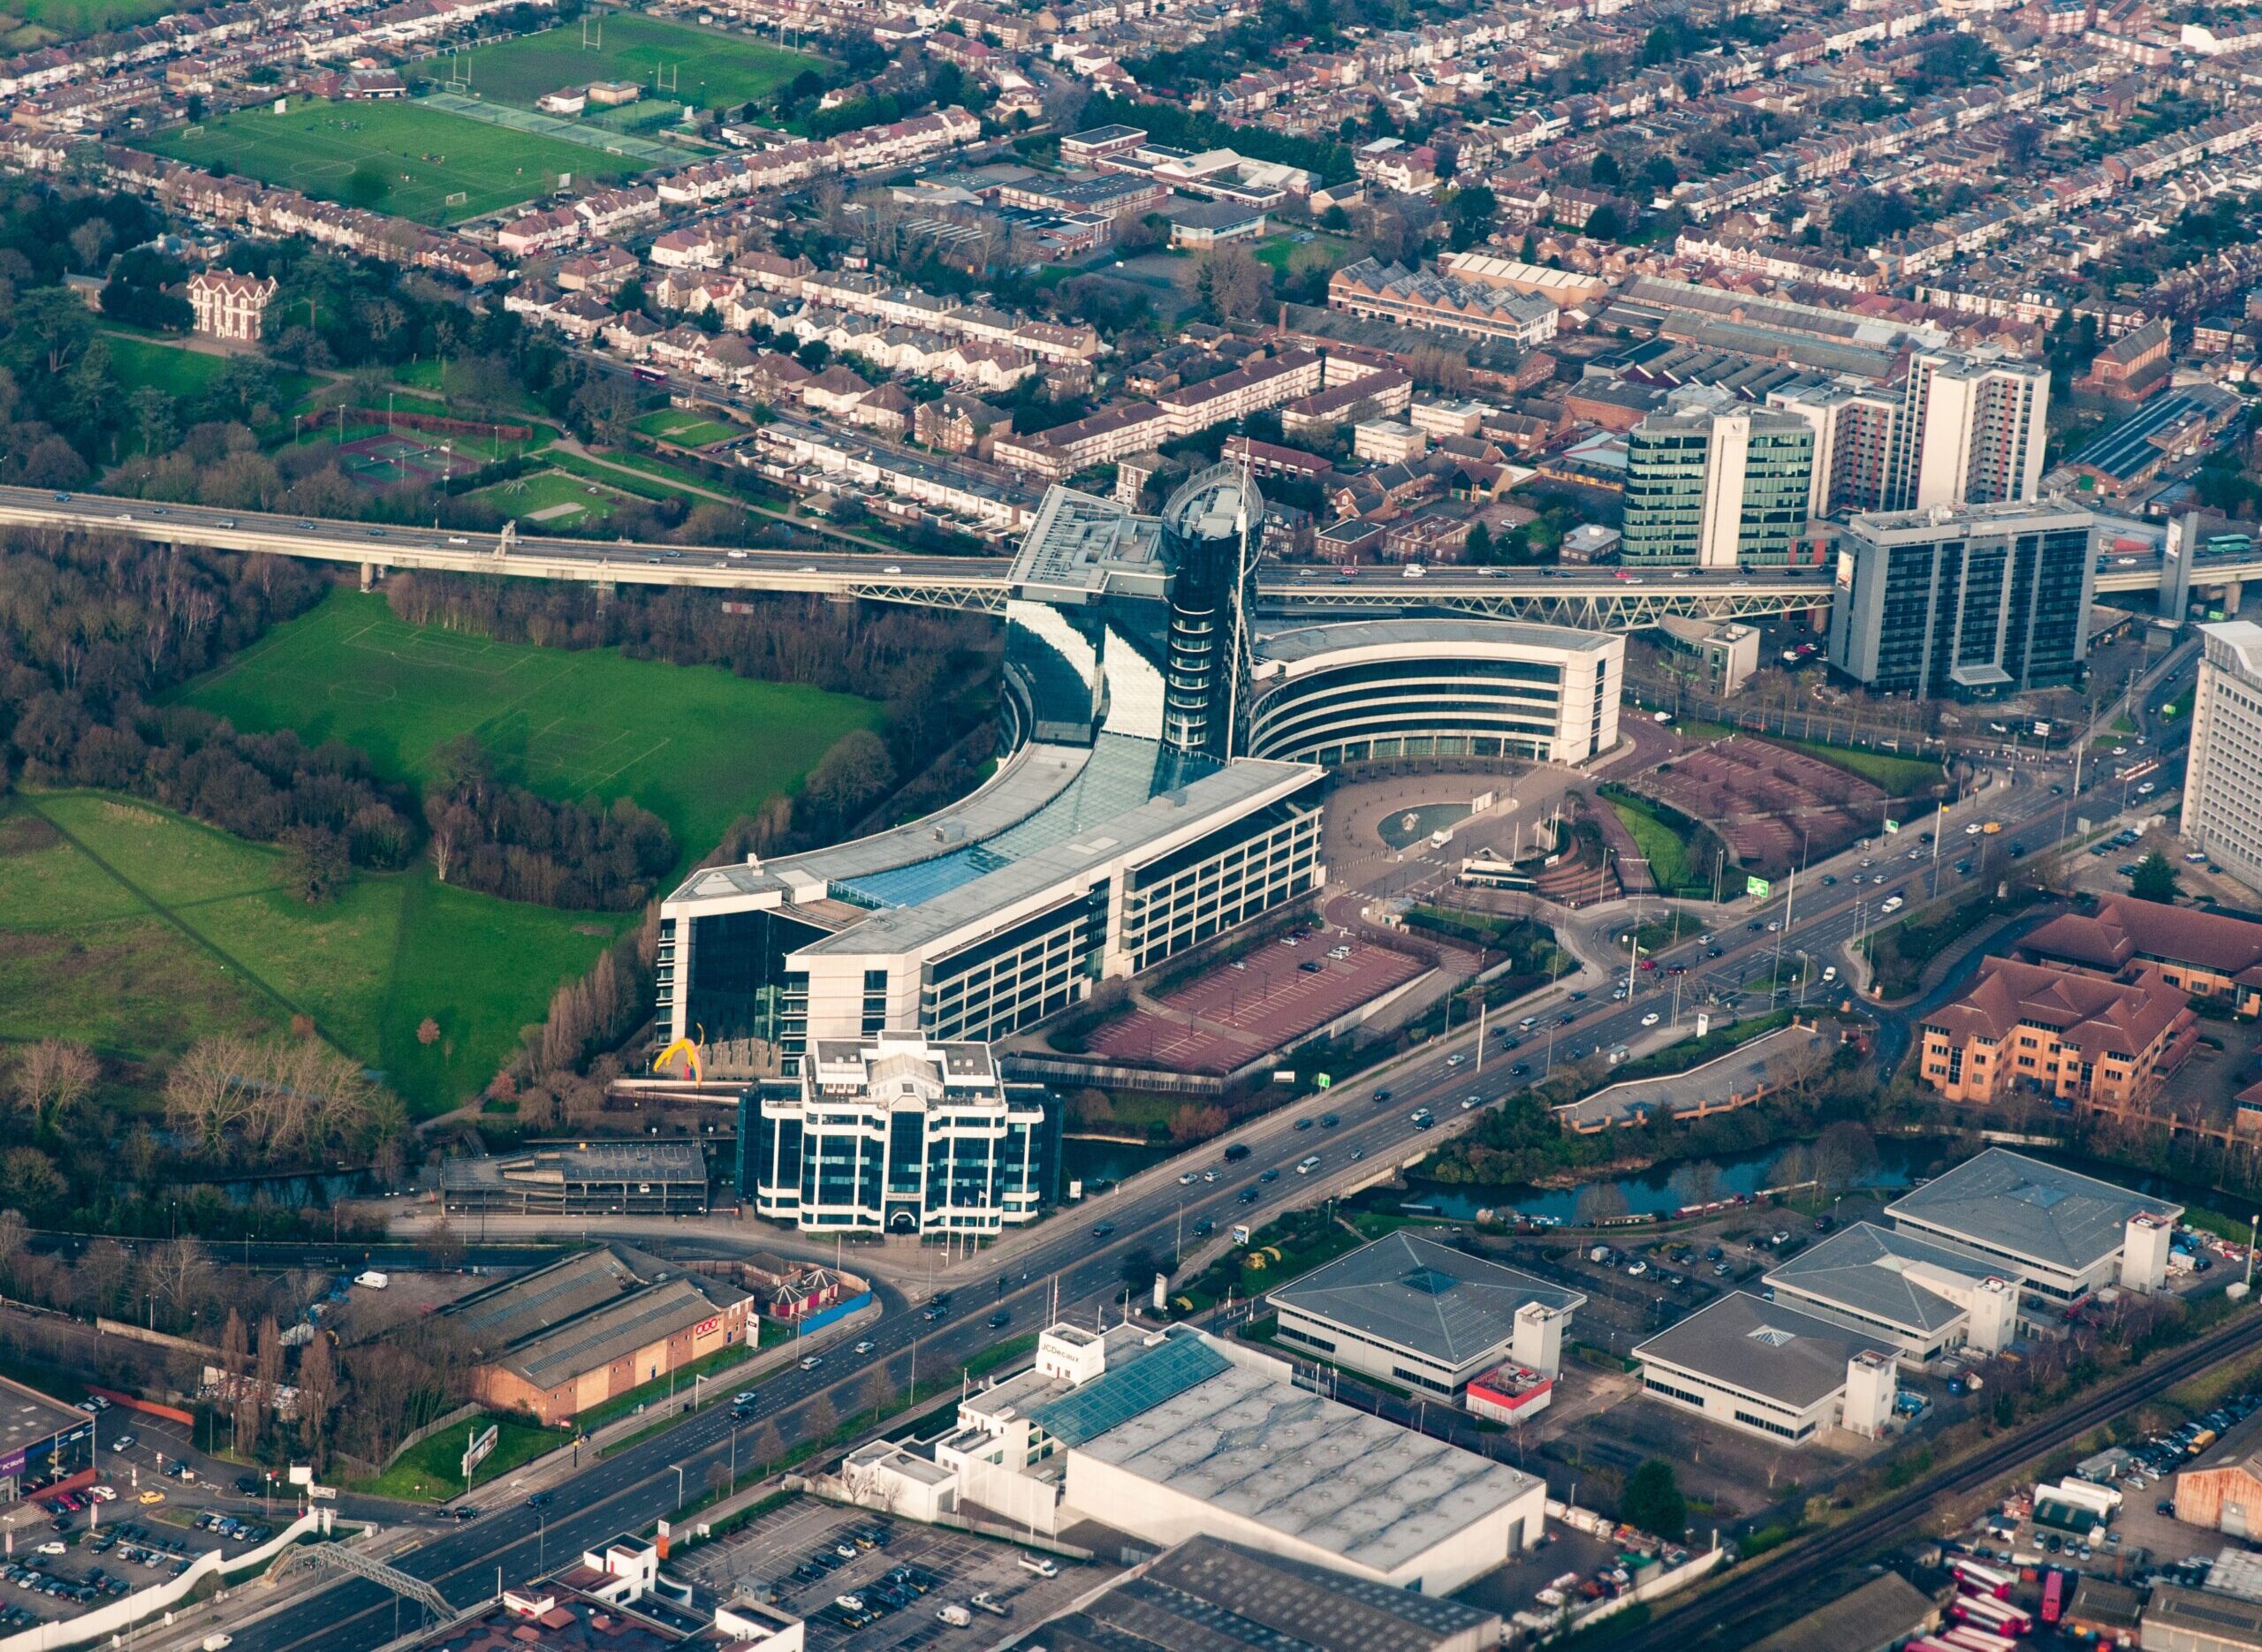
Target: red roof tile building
[(2202, 953), (2062, 1033)]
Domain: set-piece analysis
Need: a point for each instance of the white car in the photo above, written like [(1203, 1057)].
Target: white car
[(54, 1548), (1972, 831), (864, 1348), (1651, 1019)]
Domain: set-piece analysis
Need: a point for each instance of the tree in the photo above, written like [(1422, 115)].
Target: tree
[(824, 1419), (427, 1032), (1604, 172), (1471, 213), (319, 866), (1233, 284), (1653, 1501), (318, 1393), (1605, 225), (53, 1078), (1601, 1202), (2154, 878), (877, 1393)]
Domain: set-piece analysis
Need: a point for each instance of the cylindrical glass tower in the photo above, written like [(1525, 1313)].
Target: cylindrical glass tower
[(1211, 530)]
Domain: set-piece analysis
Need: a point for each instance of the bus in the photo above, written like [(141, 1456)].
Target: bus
[(651, 376), (1968, 1638), (2054, 1595), (1973, 1579), (1484, 872), (1984, 1612)]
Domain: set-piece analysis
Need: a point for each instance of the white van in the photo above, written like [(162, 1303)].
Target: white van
[(1892, 903), (1039, 1564)]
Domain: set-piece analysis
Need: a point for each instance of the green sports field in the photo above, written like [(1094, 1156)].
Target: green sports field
[(676, 63), (397, 158), (695, 746)]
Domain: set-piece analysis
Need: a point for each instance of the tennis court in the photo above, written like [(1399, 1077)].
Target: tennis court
[(380, 461)]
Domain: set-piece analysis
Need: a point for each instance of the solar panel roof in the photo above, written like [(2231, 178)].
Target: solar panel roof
[(1125, 1391)]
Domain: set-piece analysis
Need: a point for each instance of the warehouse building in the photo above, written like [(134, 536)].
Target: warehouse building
[(559, 1339), (1923, 1298), (2222, 1491), (2061, 1234), (1767, 1370), (42, 1440), (2178, 1620), (1414, 1312), (1220, 1596), (1878, 1617), (1173, 1435)]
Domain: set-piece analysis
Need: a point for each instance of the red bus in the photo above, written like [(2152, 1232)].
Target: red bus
[(2054, 1595), (651, 376), (1968, 1638), (1984, 1612), (1974, 1579)]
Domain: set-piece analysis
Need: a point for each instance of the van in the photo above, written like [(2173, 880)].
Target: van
[(956, 1617), (1306, 1166), (1039, 1564), (1661, 716), (1413, 570), (1893, 903)]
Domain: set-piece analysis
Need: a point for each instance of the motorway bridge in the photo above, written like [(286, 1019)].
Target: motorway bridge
[(1600, 598)]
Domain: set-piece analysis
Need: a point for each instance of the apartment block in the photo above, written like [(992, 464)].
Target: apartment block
[(1712, 481)]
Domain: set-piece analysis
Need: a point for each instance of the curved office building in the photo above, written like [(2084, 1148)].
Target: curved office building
[(1368, 690)]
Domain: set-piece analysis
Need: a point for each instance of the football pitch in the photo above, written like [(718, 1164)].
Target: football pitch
[(396, 157), (695, 745), (673, 62)]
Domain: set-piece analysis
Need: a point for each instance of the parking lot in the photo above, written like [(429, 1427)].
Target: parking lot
[(68, 1552), (814, 1558), (1227, 1017)]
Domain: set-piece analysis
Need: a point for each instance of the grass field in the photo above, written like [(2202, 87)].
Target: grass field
[(1275, 251), (173, 930), (69, 19), (549, 499), (686, 428), (1668, 856), (1901, 776), (431, 1470), (677, 63), (698, 747), (393, 157)]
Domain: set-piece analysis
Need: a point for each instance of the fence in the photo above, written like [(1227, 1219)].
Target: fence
[(105, 1621), (833, 1315), (438, 425), (464, 1412), (1100, 1075)]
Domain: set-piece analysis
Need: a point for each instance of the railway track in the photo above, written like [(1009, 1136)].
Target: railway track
[(1711, 1621)]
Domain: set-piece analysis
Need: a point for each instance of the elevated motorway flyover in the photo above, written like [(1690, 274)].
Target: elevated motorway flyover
[(1599, 598)]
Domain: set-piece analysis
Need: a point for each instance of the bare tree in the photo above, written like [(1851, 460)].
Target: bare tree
[(1601, 1202), (52, 1077), (824, 1419), (178, 1275), (318, 1393)]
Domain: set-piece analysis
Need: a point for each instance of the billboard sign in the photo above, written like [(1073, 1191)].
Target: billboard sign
[(482, 1442), (1756, 887)]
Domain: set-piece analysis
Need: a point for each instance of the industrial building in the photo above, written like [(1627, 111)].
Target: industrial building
[(1969, 601), (1879, 1616), (42, 1440), (897, 1133), (1221, 1597), (557, 1340), (2180, 1619), (615, 1597), (1416, 1313), (1173, 1435), (2222, 1491), (585, 1179), (1370, 690), (1712, 481), (1924, 1298), (1767, 1370), (2222, 775), (2061, 1234)]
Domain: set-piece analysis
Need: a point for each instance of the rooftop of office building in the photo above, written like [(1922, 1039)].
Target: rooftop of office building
[(1416, 1294), (2008, 1201), (1864, 1268), (1307, 642), (1762, 1348)]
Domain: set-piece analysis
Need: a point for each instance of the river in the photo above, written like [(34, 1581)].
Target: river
[(1901, 1162)]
